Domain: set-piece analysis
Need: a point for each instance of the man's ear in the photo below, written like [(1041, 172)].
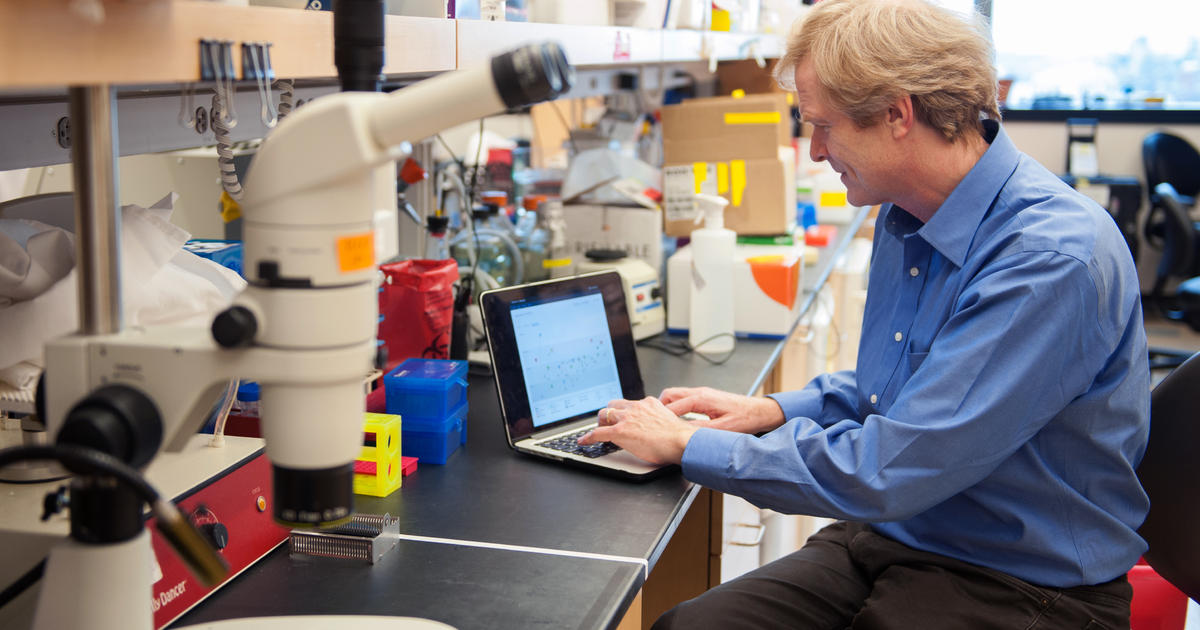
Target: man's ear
[(900, 116)]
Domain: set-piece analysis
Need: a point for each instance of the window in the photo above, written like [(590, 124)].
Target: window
[(1099, 54)]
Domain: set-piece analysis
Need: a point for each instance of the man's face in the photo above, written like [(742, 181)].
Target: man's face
[(861, 156)]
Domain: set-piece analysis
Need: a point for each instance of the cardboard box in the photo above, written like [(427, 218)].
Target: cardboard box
[(635, 230), (767, 287), (745, 75), (739, 148), (761, 194), (726, 128)]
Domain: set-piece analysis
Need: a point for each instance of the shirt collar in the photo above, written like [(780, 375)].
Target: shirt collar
[(953, 226)]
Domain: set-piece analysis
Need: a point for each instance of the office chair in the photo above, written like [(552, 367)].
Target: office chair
[(1172, 167), (1180, 256), (1169, 475), (1169, 158)]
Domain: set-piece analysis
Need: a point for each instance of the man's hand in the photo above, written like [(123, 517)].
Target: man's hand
[(730, 412), (643, 427)]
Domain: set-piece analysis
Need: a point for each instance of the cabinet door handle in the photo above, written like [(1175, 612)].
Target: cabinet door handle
[(758, 536)]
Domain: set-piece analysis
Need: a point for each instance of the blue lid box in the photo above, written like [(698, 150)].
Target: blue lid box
[(426, 389), (434, 441)]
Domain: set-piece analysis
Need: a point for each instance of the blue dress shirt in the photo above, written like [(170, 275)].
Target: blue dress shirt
[(1001, 400)]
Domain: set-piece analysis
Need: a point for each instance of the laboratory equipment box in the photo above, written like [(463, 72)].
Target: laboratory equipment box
[(768, 282), (434, 440), (425, 389), (738, 148)]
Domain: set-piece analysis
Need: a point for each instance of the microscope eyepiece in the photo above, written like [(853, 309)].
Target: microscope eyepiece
[(531, 74)]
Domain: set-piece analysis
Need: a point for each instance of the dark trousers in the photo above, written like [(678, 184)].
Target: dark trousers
[(848, 576)]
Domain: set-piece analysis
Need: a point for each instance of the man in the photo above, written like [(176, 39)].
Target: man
[(983, 454)]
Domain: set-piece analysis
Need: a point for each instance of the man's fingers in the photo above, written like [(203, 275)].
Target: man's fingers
[(680, 407), (599, 434), (672, 394)]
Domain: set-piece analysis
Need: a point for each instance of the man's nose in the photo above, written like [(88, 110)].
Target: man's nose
[(816, 149)]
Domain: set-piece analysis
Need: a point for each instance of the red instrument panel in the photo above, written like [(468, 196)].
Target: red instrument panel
[(233, 511)]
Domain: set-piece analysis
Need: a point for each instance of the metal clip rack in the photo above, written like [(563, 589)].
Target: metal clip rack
[(366, 537)]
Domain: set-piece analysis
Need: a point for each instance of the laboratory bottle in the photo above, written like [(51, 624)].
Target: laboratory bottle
[(710, 318), (496, 201), (493, 245), (526, 217), (558, 262), (533, 239), (436, 246)]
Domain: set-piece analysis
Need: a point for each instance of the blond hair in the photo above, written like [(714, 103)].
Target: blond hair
[(868, 53)]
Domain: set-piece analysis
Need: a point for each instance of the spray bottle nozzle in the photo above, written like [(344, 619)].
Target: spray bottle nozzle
[(711, 208)]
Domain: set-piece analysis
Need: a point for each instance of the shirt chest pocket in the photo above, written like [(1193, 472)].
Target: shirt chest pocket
[(914, 360)]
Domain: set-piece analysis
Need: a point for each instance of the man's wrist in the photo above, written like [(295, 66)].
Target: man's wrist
[(685, 435), (771, 413)]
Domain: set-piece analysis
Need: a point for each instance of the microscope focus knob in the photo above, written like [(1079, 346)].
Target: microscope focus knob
[(235, 327), (115, 419), (216, 533)]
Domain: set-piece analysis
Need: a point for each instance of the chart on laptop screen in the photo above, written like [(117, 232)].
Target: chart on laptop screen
[(566, 356)]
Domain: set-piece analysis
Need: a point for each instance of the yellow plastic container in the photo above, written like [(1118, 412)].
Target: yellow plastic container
[(377, 469)]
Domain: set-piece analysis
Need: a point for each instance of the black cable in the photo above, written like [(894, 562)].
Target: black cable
[(78, 458), (87, 460), (12, 591), (683, 348), (567, 127), (449, 151), (208, 566), (673, 348), (470, 286), (713, 338), (475, 168)]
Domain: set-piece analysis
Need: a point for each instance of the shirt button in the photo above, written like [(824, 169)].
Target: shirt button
[(899, 336), (914, 272), (874, 399)]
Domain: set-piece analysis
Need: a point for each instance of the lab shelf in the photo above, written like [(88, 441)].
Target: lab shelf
[(599, 46), (155, 42), (46, 44), (149, 51)]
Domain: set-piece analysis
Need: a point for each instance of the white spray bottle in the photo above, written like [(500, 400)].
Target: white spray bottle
[(710, 325)]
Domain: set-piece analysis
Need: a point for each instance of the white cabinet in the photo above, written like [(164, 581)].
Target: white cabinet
[(742, 536), (752, 537), (785, 533)]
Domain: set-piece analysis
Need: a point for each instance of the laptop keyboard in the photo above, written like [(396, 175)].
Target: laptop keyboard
[(569, 444)]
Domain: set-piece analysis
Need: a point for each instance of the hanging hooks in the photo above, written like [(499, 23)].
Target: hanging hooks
[(256, 65), (216, 64), (750, 49), (187, 106)]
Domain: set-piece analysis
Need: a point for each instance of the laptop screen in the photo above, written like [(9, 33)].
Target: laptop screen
[(561, 350), (566, 355)]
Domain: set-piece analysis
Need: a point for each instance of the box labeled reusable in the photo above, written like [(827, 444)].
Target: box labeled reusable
[(636, 231)]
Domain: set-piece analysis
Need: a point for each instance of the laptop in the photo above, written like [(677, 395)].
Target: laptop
[(561, 350)]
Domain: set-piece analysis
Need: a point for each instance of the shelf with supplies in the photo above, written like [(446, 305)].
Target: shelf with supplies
[(150, 52), (47, 44), (156, 42), (590, 46)]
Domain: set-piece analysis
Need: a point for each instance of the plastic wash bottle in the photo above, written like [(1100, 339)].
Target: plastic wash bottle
[(710, 325)]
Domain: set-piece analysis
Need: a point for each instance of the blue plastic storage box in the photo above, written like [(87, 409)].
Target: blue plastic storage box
[(433, 441), (426, 389)]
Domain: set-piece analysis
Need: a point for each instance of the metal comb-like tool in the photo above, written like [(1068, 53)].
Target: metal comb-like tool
[(365, 537)]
